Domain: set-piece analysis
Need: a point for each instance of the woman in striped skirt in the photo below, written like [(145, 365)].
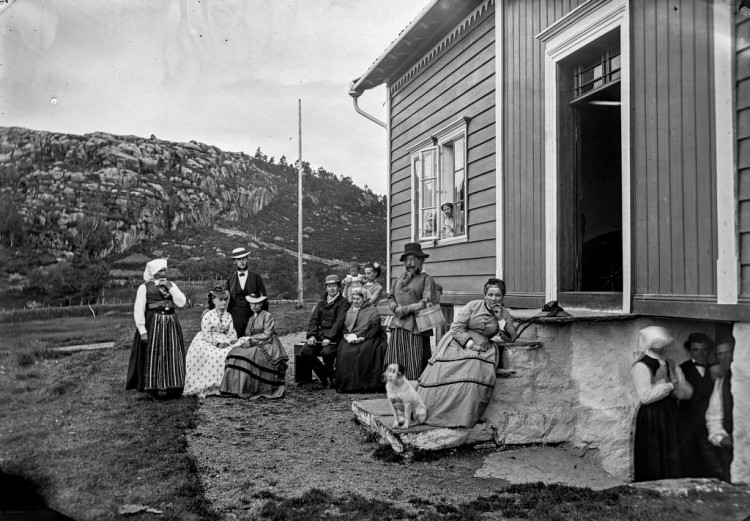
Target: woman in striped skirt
[(458, 382), (157, 359), (412, 291)]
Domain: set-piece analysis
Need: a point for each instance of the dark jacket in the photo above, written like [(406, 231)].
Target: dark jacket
[(254, 284), (694, 409), (327, 320)]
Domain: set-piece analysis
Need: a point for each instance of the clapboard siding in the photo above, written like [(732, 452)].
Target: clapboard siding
[(523, 139), (457, 83), (673, 167), (742, 41)]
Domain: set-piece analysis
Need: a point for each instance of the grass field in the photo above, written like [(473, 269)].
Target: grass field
[(89, 447)]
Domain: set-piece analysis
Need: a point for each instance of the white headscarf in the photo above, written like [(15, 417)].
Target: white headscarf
[(153, 267), (654, 339)]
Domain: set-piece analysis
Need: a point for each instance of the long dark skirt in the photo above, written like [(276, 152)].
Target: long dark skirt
[(258, 371), (359, 367), (410, 350), (656, 452), (159, 363)]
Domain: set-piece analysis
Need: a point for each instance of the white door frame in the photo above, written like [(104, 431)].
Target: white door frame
[(579, 28)]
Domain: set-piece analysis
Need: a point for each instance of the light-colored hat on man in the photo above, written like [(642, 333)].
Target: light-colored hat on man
[(333, 279), (239, 253)]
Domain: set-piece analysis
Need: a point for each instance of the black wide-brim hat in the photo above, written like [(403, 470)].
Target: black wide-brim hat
[(413, 248)]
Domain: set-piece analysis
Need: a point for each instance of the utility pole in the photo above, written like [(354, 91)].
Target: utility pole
[(300, 295)]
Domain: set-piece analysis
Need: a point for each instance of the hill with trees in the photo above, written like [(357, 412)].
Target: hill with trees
[(79, 213)]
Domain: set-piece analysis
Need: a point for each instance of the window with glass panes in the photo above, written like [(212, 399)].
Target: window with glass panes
[(439, 188)]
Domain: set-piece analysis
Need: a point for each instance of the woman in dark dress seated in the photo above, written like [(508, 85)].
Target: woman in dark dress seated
[(658, 384), (361, 353)]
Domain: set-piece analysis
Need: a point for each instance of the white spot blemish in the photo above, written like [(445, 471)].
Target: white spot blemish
[(53, 101)]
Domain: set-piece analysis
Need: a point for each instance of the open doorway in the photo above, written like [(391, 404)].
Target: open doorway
[(590, 174)]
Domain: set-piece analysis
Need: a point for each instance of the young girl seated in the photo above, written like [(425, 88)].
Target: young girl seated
[(205, 357), (256, 366)]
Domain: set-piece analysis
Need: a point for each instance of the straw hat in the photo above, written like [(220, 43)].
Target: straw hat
[(239, 253), (254, 298)]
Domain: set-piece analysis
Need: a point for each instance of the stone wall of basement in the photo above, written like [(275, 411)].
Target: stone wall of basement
[(577, 389), (740, 470)]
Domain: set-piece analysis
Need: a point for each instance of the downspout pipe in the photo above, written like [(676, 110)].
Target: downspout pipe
[(355, 94)]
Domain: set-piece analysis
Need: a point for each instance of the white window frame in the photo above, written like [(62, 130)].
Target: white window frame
[(456, 130)]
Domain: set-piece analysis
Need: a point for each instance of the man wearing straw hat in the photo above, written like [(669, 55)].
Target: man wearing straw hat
[(412, 291), (240, 284)]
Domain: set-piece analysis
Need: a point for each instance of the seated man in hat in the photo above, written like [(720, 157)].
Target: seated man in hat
[(325, 329), (240, 284), (412, 291)]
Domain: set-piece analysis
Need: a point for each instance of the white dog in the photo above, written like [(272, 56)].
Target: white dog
[(403, 398)]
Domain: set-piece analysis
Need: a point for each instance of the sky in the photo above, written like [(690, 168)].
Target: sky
[(227, 73)]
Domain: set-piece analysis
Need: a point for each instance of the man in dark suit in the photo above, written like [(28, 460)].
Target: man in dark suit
[(325, 329), (240, 284), (697, 456)]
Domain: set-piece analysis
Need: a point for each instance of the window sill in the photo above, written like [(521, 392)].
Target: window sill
[(434, 243)]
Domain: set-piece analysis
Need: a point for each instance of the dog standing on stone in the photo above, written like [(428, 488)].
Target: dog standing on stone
[(404, 400)]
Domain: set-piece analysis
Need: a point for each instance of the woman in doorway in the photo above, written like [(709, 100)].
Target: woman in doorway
[(209, 348), (459, 379), (360, 354), (658, 383), (157, 358)]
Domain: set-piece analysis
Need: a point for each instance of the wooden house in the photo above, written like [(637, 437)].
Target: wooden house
[(593, 152)]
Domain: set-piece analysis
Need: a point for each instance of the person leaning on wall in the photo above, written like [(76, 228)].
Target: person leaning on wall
[(719, 415)]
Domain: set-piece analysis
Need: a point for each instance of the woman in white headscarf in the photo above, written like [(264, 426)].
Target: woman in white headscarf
[(659, 383), (360, 354), (157, 359)]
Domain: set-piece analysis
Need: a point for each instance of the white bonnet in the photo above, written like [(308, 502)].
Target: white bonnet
[(152, 267)]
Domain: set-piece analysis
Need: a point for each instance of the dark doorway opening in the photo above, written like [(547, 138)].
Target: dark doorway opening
[(590, 171)]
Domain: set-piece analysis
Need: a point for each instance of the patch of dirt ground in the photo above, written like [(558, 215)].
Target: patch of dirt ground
[(309, 439)]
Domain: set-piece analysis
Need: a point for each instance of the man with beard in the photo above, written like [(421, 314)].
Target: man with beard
[(240, 284), (413, 291)]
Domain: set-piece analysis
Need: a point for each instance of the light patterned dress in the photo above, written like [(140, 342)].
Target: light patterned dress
[(205, 361)]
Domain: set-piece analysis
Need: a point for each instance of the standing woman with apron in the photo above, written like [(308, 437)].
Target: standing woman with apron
[(157, 359)]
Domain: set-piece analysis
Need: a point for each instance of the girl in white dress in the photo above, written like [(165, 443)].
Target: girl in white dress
[(209, 349)]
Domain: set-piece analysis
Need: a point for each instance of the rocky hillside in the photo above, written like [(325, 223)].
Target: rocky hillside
[(142, 188), (182, 200)]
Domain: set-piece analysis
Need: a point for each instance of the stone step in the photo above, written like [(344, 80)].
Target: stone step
[(377, 417)]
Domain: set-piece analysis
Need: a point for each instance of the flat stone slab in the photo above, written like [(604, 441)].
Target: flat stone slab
[(84, 347), (546, 464), (686, 486), (376, 416)]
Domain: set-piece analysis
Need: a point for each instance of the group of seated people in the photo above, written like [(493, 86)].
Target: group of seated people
[(684, 423)]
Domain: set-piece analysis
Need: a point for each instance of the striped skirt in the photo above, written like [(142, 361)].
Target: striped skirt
[(410, 350), (159, 363), (457, 384), (257, 371)]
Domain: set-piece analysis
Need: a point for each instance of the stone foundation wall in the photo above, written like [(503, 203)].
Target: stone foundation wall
[(577, 389), (741, 391)]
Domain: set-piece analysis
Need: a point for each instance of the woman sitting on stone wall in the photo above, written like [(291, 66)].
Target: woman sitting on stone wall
[(209, 348), (360, 354), (458, 382)]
